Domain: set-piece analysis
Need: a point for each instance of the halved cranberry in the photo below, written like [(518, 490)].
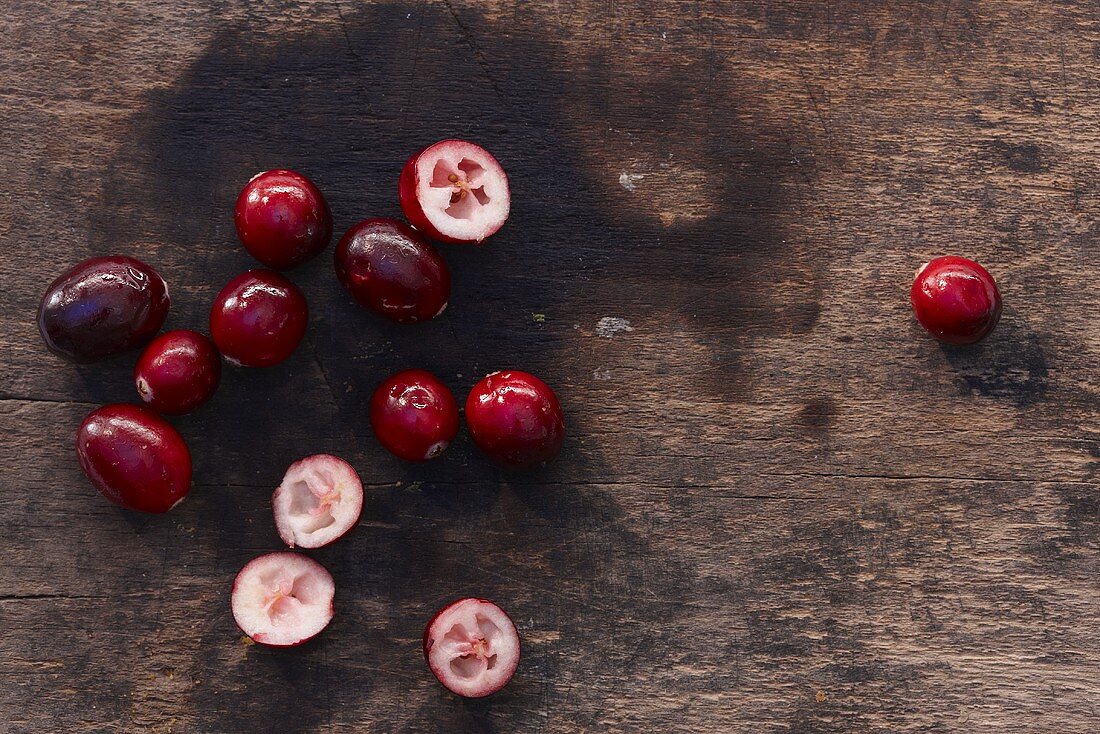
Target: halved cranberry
[(101, 307), (282, 219), (283, 599), (472, 647), (956, 300), (258, 319), (515, 418), (178, 371), (388, 267), (134, 457), (455, 191), (414, 415)]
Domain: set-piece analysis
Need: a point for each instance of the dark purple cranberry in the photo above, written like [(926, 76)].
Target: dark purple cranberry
[(388, 267), (101, 307)]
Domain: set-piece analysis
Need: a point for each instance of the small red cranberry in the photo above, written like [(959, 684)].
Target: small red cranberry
[(134, 457), (258, 319), (282, 219), (388, 267), (956, 300), (101, 307), (516, 419), (178, 371), (414, 415)]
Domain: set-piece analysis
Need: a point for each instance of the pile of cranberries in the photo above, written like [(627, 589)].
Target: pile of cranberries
[(453, 192)]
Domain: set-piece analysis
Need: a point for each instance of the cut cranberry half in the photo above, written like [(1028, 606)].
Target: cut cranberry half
[(282, 599), (101, 307), (455, 191), (515, 418), (388, 267), (956, 300), (414, 415), (282, 219), (134, 457), (258, 319), (318, 502), (178, 371), (472, 647)]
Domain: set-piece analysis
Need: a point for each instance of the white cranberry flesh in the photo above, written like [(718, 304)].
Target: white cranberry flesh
[(318, 502), (283, 599), (472, 647)]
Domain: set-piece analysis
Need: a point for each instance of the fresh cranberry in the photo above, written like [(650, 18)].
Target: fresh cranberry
[(388, 267), (178, 372), (956, 300), (283, 599), (455, 191), (472, 647), (101, 307), (515, 418), (258, 319), (414, 415), (134, 457), (282, 219)]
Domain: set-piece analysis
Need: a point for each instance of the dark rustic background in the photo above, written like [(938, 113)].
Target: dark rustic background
[(780, 507)]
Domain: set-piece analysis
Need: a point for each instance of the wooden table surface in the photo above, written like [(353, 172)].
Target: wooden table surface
[(780, 507)]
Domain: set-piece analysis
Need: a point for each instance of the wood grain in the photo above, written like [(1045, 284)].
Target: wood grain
[(780, 506)]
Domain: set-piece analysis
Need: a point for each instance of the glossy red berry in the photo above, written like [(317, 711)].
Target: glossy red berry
[(258, 319), (956, 300), (455, 191), (516, 419), (414, 415), (282, 219), (388, 267), (134, 457), (178, 371), (101, 307)]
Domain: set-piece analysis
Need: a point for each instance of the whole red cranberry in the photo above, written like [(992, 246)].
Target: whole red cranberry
[(388, 267), (101, 307), (134, 457), (956, 300), (258, 319), (515, 418), (178, 371), (282, 219), (414, 415)]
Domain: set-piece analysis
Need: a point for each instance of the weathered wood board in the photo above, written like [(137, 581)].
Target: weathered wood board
[(780, 508)]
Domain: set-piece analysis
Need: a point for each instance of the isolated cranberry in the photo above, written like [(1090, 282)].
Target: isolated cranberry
[(282, 219), (318, 501), (515, 418), (134, 457), (178, 371), (101, 307), (414, 415), (956, 300), (388, 267), (455, 191), (472, 647), (258, 319), (282, 599)]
